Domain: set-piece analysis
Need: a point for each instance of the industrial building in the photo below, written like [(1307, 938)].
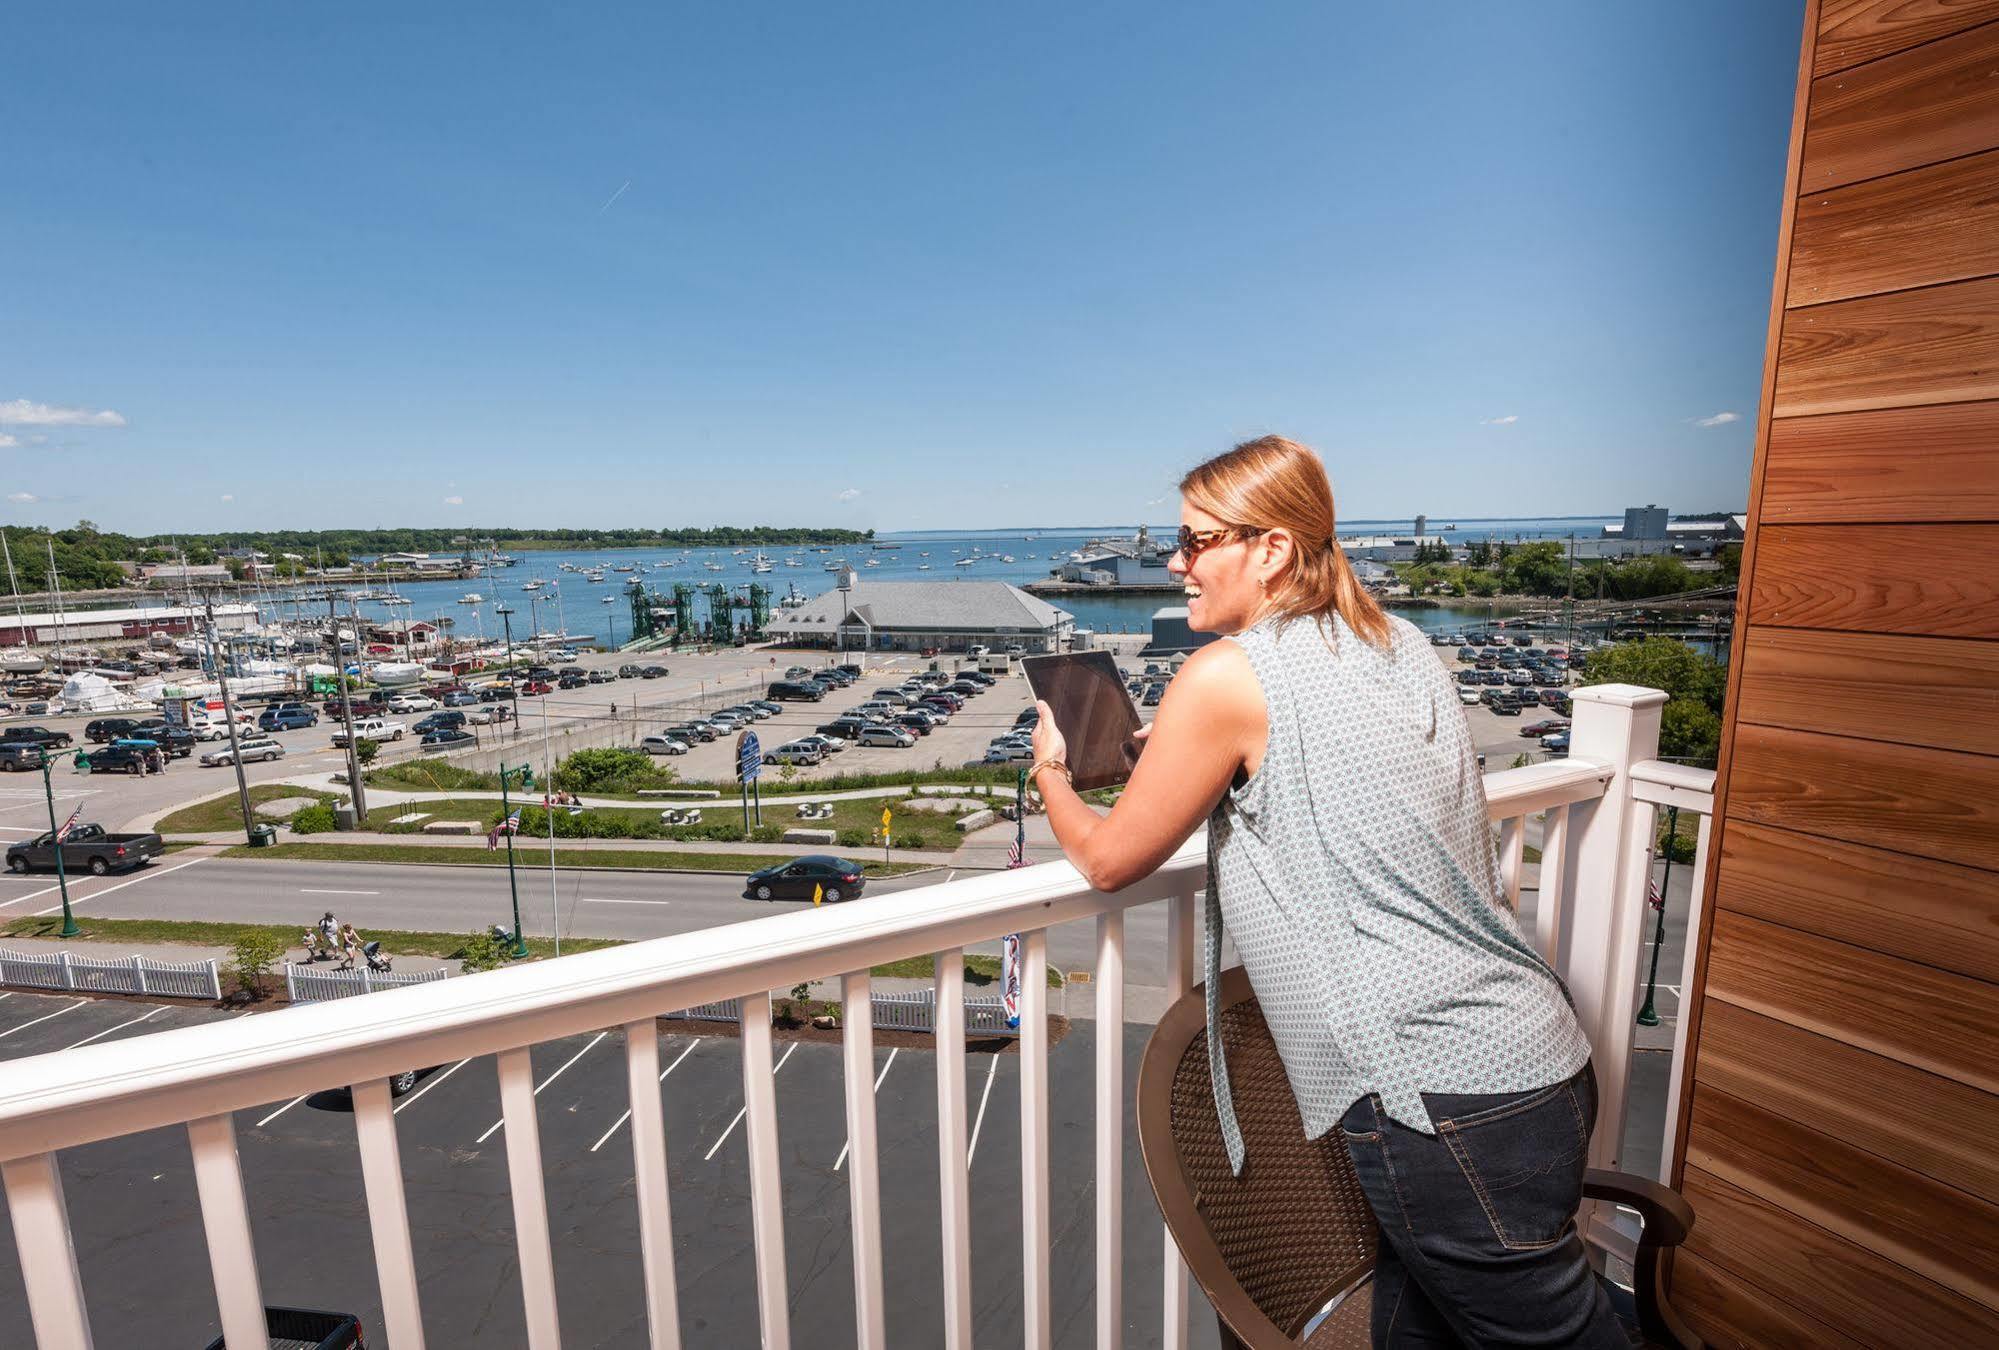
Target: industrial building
[(108, 625), (925, 616)]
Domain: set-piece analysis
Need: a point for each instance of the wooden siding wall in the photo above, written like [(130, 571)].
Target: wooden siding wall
[(1841, 1130)]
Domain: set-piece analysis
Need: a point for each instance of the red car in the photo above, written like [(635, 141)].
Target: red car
[(537, 687)]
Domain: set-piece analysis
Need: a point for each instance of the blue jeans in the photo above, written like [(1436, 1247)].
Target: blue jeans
[(1478, 1242)]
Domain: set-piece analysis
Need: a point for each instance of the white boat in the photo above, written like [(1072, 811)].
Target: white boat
[(609, 600), (713, 566), (394, 674), (532, 586), (964, 562), (1006, 557), (22, 662), (872, 562), (923, 567), (472, 598), (762, 564)]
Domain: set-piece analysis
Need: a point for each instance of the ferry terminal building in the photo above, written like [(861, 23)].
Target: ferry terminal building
[(945, 616)]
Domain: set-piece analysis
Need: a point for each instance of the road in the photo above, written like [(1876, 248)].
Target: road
[(457, 899)]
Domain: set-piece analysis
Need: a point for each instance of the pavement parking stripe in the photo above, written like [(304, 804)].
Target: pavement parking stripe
[(307, 890), (39, 1020), (120, 1027), (619, 1124), (146, 876), (992, 1071), (594, 900), (746, 1110), (411, 1099), (546, 1081), (841, 1160), (282, 1109)]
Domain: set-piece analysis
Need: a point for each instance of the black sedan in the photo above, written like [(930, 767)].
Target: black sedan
[(652, 672), (447, 738), (836, 879)]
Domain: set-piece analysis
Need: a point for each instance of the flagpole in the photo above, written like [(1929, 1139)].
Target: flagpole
[(506, 818), (56, 832), (1648, 1016)]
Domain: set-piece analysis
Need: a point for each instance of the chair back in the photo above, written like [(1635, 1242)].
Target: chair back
[(1272, 1247)]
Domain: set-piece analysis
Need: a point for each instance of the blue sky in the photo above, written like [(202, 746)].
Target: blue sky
[(898, 266)]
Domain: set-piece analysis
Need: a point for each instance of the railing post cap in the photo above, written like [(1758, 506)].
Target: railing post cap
[(1619, 695)]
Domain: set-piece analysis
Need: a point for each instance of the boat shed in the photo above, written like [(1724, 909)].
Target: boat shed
[(924, 615), (104, 625)]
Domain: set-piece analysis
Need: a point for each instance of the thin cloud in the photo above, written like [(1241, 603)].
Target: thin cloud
[(846, 495), (1505, 421), (8, 442), (614, 197), (454, 501), (1720, 419), (228, 496), (22, 498), (21, 412)]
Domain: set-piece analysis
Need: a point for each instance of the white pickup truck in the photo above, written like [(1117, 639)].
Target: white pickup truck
[(371, 729)]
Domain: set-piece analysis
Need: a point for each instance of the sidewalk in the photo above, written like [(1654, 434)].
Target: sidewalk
[(188, 951), (526, 844)]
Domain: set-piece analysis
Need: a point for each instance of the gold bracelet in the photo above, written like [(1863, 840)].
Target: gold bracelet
[(1035, 772)]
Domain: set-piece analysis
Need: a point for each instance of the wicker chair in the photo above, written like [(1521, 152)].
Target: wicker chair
[(1294, 1234)]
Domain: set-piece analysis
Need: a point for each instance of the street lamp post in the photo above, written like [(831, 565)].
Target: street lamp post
[(69, 928), (526, 773), (507, 622)]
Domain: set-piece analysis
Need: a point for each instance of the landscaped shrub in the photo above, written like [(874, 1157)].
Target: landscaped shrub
[(252, 957), (432, 775), (911, 839), (483, 950), (767, 834), (314, 819), (611, 769), (853, 838), (365, 750)]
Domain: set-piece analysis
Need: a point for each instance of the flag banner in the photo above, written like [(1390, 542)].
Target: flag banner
[(511, 825), (1652, 896), (1010, 979), (68, 825), (1014, 857)]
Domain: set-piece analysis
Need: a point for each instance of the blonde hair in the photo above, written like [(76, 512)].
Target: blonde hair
[(1273, 483)]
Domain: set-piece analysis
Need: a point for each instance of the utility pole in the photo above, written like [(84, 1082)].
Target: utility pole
[(526, 773), (507, 622), (69, 928), (229, 721), (360, 799)]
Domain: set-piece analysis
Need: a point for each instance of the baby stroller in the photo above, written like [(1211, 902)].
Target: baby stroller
[(376, 961)]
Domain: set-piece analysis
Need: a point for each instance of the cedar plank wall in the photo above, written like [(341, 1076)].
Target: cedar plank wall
[(1841, 1123), (1842, 1107)]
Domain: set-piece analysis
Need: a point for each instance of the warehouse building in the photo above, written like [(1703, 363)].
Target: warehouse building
[(944, 616)]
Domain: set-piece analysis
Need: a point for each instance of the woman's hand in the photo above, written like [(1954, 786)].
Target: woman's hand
[(1047, 741)]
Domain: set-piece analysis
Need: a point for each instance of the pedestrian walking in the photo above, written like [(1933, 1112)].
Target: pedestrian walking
[(329, 933), (350, 946)]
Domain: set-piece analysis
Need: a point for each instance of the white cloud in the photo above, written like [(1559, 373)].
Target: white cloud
[(454, 501), (22, 413), (846, 495), (8, 442), (1505, 421), (22, 498), (1720, 419), (228, 496)]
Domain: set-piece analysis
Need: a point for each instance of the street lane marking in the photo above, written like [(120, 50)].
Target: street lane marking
[(838, 1162), (546, 1081), (120, 1027), (307, 890), (596, 900), (282, 1109), (29, 896), (746, 1109), (411, 1099), (662, 1078), (145, 876), (973, 1148), (57, 1013)]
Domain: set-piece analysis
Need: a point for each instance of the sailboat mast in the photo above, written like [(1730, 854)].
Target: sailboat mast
[(55, 584), (14, 582)]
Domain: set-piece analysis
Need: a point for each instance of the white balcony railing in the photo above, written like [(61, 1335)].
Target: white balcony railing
[(1597, 809)]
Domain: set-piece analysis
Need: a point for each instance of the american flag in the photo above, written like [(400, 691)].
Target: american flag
[(68, 825), (1652, 896), (1013, 854), (511, 825)]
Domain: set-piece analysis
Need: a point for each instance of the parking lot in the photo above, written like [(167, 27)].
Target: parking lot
[(139, 1242)]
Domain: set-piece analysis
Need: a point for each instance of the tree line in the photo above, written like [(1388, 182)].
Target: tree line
[(1495, 567), (88, 558)]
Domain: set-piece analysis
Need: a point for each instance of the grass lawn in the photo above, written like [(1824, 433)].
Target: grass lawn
[(443, 945), (531, 858), (979, 970), (225, 813)]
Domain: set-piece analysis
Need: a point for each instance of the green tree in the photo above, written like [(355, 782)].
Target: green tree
[(252, 958), (1661, 663), (1730, 558), (1689, 730), (1539, 568)]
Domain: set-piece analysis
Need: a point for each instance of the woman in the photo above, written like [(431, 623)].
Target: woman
[(1351, 856)]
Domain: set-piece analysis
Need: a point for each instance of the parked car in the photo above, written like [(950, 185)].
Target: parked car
[(943, 698), (449, 738), (1553, 698), (537, 687), (88, 848), (835, 676), (496, 693), (770, 709), (371, 729), (18, 755), (968, 688), (824, 743), (883, 734), (489, 716), (438, 721), (794, 752), (411, 703), (1009, 754), (572, 682), (652, 672), (252, 748), (1556, 743), (1544, 728), (105, 730), (357, 705), (1028, 717), (834, 879), (292, 717), (629, 672), (1153, 693), (1468, 696), (118, 757), (176, 741), (209, 729), (53, 740), (602, 677), (917, 722), (662, 745), (1506, 706), (843, 729), (700, 731), (788, 690)]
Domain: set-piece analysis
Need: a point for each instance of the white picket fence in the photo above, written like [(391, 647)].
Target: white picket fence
[(126, 975), (303, 984), (912, 1011)]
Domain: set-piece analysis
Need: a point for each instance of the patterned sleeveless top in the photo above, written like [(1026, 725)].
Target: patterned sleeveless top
[(1356, 873)]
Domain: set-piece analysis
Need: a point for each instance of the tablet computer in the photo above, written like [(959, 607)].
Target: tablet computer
[(1092, 711)]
